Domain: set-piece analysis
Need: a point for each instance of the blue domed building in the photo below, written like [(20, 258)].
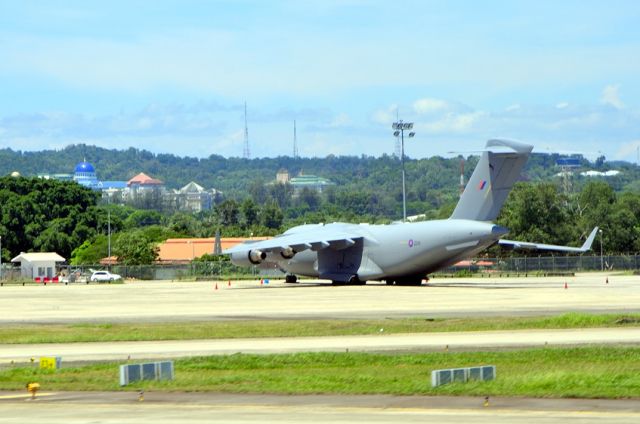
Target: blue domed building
[(85, 174)]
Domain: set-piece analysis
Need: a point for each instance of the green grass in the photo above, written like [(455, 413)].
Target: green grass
[(588, 372), (67, 333)]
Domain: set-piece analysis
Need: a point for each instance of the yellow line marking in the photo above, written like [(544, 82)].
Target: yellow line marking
[(27, 395)]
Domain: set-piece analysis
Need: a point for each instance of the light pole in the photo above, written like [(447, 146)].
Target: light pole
[(601, 256), (109, 236), (400, 128), (0, 258)]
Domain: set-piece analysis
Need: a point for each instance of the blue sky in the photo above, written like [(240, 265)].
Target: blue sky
[(172, 76)]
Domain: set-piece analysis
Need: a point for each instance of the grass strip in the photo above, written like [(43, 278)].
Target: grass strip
[(69, 333), (585, 372)]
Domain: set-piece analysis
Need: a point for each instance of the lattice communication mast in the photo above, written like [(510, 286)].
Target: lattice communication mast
[(295, 141), (246, 153)]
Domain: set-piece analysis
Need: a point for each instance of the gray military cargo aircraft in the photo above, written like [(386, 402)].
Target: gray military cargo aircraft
[(404, 253)]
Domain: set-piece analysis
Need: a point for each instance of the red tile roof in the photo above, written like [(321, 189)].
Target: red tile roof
[(144, 179)]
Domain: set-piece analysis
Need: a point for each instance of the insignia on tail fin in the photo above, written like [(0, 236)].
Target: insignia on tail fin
[(498, 169)]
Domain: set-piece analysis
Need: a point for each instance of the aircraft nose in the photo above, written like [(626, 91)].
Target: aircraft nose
[(499, 230)]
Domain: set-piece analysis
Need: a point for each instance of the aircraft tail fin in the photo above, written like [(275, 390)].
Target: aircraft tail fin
[(498, 169)]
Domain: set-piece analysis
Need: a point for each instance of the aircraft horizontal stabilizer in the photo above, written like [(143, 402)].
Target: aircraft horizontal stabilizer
[(523, 245)]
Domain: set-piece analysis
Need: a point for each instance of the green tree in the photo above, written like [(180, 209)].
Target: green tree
[(536, 212), (228, 213), (272, 216), (249, 212), (184, 223), (135, 248), (143, 218)]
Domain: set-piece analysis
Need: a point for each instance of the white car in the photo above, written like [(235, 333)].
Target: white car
[(101, 276)]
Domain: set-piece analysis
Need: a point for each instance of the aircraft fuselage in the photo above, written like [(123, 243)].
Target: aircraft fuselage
[(396, 251)]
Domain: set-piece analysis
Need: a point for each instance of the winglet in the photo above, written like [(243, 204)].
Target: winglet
[(589, 241)]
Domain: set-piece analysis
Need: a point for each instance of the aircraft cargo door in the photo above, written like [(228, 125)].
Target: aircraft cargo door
[(340, 265)]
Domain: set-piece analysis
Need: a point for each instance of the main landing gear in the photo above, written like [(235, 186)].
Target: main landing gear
[(290, 278), (353, 281), (406, 281)]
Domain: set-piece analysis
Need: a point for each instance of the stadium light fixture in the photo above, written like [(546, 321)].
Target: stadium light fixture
[(400, 127)]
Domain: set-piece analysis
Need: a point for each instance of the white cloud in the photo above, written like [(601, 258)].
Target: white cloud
[(628, 151), (385, 116), (428, 106), (453, 123), (611, 96), (562, 105), (341, 120), (513, 107)]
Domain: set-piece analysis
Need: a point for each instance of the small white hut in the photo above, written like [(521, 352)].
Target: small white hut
[(41, 264)]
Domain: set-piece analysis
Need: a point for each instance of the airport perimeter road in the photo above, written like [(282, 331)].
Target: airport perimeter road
[(161, 408), (377, 343), (183, 301)]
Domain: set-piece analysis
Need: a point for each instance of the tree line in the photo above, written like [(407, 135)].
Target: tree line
[(47, 215)]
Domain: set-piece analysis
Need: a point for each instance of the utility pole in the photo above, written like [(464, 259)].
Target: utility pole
[(601, 255), (295, 141), (109, 236), (246, 153), (0, 258)]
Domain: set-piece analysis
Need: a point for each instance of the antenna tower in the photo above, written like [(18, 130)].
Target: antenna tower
[(398, 149), (295, 141), (246, 153)]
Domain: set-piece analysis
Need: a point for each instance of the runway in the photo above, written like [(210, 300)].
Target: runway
[(161, 408), (162, 301), (473, 340)]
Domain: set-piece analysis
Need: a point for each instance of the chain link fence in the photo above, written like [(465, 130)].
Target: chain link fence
[(223, 269), (551, 264)]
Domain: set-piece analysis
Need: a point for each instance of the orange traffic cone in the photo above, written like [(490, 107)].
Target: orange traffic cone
[(566, 286), (216, 286), (229, 285), (261, 282)]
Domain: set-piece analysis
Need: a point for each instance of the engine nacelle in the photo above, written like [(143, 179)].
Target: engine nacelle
[(287, 253), (256, 256), (253, 257)]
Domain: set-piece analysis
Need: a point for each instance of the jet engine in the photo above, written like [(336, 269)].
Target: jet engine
[(288, 253), (253, 257), (256, 256)]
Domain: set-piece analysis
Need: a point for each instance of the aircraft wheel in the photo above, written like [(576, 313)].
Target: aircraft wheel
[(290, 278), (389, 282)]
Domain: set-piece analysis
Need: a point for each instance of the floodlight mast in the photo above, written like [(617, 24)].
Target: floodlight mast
[(400, 128)]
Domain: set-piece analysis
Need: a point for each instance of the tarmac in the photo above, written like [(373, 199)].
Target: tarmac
[(162, 408), (422, 342), (161, 301)]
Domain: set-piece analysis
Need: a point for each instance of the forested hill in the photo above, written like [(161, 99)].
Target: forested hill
[(429, 178)]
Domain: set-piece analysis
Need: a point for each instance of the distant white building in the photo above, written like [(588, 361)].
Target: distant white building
[(33, 265), (611, 173), (194, 198)]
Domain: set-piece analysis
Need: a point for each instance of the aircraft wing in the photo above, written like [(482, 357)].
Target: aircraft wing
[(513, 244), (314, 240)]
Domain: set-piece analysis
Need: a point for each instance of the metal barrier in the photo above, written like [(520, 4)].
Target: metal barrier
[(148, 371), (551, 264), (462, 375), (224, 269)]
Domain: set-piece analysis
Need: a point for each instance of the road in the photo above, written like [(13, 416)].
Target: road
[(159, 301), (372, 343), (162, 408)]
